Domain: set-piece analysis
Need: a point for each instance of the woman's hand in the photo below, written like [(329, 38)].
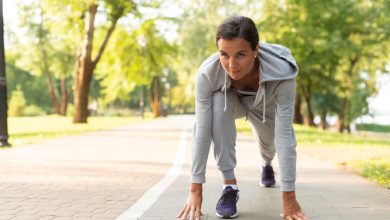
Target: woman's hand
[(193, 205), (291, 208)]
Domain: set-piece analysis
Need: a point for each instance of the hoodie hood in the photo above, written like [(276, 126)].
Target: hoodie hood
[(276, 63)]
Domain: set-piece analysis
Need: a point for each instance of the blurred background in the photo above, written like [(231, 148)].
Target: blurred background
[(141, 56), (103, 63)]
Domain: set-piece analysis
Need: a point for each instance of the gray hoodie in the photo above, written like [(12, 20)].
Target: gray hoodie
[(278, 70)]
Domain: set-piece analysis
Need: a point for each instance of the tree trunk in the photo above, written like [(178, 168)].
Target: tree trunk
[(155, 96), (83, 75), (348, 127), (341, 116), (52, 92), (64, 96), (298, 118), (344, 114), (324, 124), (310, 115)]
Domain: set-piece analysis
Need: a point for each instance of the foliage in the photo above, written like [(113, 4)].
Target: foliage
[(127, 64), (29, 84), (340, 47)]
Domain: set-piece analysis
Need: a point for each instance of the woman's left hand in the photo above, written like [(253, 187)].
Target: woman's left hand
[(291, 208)]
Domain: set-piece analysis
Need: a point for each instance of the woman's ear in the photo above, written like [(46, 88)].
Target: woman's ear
[(256, 51)]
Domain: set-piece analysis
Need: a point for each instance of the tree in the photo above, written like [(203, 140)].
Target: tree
[(365, 51), (41, 35), (136, 63), (333, 42), (86, 64), (53, 39)]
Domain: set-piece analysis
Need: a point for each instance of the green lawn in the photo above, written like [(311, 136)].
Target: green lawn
[(24, 130), (373, 127), (367, 156)]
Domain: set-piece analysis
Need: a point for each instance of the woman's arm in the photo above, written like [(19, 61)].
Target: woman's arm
[(202, 130), (285, 141), (201, 146)]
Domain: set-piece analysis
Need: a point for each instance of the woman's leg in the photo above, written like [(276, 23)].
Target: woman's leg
[(224, 132), (264, 133)]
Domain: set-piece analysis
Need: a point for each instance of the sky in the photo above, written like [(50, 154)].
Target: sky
[(379, 105)]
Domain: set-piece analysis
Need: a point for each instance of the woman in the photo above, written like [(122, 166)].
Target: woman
[(248, 79)]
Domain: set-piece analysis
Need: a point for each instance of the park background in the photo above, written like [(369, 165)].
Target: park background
[(75, 66)]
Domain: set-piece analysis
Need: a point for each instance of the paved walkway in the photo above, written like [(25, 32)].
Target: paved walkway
[(101, 175)]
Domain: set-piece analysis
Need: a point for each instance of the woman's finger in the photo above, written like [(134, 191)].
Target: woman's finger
[(186, 212), (182, 211)]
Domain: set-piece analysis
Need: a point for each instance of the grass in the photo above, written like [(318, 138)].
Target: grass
[(25, 130), (365, 155), (373, 128), (376, 169)]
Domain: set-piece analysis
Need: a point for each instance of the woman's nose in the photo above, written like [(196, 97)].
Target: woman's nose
[(232, 63)]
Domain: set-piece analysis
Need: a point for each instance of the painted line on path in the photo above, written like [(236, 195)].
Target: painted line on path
[(152, 195)]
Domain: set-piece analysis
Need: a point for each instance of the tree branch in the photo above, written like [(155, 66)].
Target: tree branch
[(104, 44)]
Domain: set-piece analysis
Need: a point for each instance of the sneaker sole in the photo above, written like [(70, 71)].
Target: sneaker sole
[(267, 186), (226, 217)]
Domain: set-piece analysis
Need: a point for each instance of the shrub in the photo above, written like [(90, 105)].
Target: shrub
[(33, 110), (17, 103)]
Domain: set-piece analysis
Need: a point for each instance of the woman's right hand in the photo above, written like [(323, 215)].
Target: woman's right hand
[(193, 205)]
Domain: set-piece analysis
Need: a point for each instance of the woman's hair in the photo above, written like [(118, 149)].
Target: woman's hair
[(238, 26)]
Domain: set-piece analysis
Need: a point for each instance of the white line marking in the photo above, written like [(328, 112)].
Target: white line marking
[(151, 196)]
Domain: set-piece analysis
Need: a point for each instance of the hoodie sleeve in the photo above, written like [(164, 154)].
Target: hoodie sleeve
[(285, 141), (202, 129)]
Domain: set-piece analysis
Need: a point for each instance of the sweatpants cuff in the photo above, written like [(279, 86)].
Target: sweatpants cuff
[(228, 174), (288, 186), (198, 178)]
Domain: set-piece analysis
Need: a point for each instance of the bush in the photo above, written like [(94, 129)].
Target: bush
[(33, 110), (17, 103)]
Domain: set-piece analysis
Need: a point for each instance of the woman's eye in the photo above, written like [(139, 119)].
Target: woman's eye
[(224, 55)]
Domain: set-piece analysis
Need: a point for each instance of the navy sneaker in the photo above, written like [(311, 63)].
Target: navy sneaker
[(227, 204), (267, 176)]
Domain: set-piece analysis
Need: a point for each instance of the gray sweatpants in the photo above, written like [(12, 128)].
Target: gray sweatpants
[(224, 129)]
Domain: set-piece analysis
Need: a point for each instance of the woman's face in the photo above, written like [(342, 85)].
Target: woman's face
[(237, 57)]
